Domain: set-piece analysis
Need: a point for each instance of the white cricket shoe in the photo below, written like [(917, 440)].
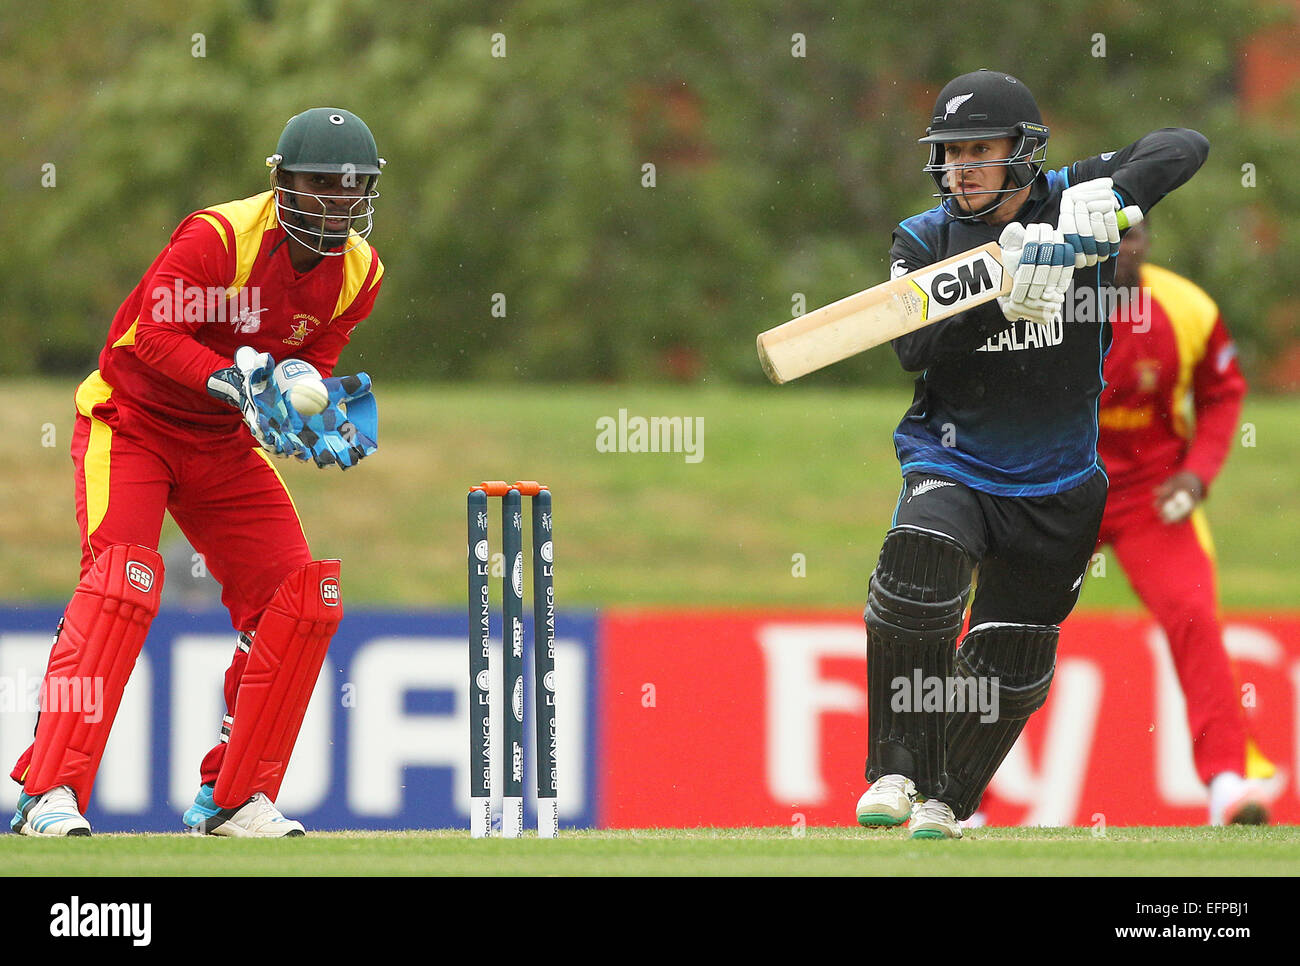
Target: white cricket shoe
[(53, 813), (257, 818), (1238, 801), (887, 802), (932, 819)]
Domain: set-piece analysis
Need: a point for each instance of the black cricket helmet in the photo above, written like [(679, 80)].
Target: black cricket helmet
[(327, 140), (984, 105)]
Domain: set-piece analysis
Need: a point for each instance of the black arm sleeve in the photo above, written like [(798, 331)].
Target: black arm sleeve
[(958, 336), (1150, 167)]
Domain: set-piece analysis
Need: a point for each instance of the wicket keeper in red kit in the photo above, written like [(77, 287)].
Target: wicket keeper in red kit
[(1170, 344), (181, 416)]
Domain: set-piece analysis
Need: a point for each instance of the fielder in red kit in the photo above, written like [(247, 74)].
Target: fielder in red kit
[(1168, 417), (181, 417)]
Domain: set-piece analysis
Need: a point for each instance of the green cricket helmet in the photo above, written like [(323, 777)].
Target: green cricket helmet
[(327, 140)]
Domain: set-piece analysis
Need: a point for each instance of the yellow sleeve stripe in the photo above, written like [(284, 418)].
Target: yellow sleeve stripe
[(356, 266), (98, 459), (128, 337), (1192, 315), (249, 219), (221, 229)]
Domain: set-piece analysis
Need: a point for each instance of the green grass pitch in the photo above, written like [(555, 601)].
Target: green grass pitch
[(1134, 851)]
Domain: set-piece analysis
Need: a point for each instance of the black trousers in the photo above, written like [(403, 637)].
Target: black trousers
[(1031, 551)]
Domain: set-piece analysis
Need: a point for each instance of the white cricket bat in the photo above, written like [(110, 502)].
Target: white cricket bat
[(886, 311)]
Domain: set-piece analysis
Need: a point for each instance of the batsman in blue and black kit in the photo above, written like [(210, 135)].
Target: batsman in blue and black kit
[(999, 448)]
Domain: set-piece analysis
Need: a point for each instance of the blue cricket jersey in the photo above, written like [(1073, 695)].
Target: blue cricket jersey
[(1010, 408)]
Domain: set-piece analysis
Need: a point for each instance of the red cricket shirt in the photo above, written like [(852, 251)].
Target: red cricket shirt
[(223, 281), (1174, 389)]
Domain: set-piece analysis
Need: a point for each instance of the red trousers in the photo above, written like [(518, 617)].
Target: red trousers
[(1171, 569), (222, 490)]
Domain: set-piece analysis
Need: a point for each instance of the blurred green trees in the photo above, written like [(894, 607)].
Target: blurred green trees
[(781, 133)]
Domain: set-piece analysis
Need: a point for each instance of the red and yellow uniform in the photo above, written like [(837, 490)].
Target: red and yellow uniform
[(224, 281), (148, 436), (1171, 404)]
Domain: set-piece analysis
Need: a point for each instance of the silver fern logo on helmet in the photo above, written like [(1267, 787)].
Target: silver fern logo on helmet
[(953, 104)]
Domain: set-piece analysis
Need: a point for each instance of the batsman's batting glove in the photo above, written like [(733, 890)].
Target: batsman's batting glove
[(347, 430), (248, 386), (1041, 265), (1090, 220)]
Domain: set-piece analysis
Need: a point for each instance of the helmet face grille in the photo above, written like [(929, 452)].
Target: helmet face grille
[(304, 215), (986, 105), (333, 141), (1024, 165)]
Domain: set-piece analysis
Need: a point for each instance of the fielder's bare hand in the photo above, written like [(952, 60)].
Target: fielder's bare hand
[(1178, 496)]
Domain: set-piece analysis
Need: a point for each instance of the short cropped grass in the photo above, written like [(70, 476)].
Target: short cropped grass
[(1237, 851)]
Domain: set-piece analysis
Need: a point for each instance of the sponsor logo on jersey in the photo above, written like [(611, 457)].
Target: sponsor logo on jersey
[(1147, 372), (1126, 417)]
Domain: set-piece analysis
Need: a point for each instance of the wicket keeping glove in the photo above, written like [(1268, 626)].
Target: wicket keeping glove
[(1041, 265), (248, 386), (347, 430), (1090, 220)]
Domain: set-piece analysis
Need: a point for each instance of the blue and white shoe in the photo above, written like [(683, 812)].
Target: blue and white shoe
[(53, 814), (256, 818), (204, 807)]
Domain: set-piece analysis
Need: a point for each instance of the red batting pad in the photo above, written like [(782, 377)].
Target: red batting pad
[(103, 629), (288, 649)]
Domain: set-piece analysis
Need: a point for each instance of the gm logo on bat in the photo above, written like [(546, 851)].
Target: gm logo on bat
[(959, 284)]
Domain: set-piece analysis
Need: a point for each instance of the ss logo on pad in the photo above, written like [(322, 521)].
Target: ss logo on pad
[(329, 592)]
